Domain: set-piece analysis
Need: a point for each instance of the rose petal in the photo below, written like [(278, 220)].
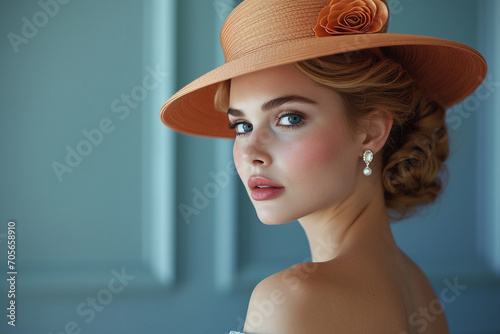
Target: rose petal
[(376, 26), (324, 22), (382, 12), (319, 28), (373, 8)]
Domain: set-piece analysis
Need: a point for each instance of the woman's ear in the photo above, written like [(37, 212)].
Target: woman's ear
[(378, 125)]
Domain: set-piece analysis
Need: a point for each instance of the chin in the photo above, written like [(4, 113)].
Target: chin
[(273, 218)]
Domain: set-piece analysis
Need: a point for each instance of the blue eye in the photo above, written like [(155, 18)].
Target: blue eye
[(244, 127), (290, 120), (241, 127)]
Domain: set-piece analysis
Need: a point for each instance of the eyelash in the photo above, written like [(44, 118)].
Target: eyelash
[(233, 124)]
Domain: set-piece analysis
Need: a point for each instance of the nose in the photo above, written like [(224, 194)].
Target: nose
[(256, 150)]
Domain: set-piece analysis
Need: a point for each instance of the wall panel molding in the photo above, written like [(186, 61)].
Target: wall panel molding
[(159, 146), (154, 264), (226, 222)]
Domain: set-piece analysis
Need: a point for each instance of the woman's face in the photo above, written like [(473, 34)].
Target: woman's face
[(293, 149)]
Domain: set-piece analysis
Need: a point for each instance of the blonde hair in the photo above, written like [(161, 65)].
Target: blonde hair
[(417, 146)]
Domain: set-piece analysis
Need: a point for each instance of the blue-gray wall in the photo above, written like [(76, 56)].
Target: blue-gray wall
[(107, 226)]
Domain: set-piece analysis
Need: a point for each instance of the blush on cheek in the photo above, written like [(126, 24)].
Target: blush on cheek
[(315, 153)]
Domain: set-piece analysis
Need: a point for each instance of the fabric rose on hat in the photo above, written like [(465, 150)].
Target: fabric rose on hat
[(342, 17)]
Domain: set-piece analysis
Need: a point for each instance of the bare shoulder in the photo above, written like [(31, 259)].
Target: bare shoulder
[(315, 298), (285, 302)]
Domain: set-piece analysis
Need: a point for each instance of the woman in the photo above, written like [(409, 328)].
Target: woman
[(341, 126)]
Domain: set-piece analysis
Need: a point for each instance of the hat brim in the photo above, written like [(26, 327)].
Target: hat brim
[(447, 71)]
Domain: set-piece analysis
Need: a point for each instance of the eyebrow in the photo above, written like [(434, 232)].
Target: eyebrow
[(274, 103)]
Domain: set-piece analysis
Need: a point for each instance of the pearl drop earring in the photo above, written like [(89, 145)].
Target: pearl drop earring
[(367, 158)]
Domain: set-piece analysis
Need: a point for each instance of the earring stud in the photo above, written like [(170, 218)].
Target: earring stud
[(367, 158)]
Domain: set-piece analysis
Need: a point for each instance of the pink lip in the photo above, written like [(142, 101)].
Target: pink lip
[(271, 189)]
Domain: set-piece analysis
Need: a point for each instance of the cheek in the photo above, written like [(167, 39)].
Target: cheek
[(318, 153)]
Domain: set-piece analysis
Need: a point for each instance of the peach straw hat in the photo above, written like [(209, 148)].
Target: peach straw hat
[(260, 34)]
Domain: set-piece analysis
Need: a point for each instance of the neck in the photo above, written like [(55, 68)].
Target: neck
[(349, 227)]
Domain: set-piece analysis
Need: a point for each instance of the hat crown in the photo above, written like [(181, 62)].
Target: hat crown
[(258, 24)]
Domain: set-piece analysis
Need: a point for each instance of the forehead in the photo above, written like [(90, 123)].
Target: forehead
[(280, 78), (274, 82)]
